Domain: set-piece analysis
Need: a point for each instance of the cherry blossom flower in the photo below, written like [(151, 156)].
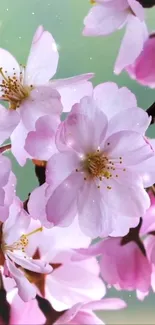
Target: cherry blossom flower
[(135, 275), (143, 69), (105, 17), (7, 187), (83, 313), (101, 159), (14, 239), (70, 282), (29, 92), (114, 256)]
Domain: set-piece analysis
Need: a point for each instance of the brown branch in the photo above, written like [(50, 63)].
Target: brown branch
[(151, 112)]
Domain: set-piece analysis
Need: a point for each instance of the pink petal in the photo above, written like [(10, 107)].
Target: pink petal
[(79, 284), (129, 276), (126, 198), (87, 318), (31, 314), (61, 212), (8, 122), (73, 89), (5, 170), (137, 8), (43, 101), (10, 189), (17, 223), (130, 145), (104, 19), (51, 242), (68, 315), (106, 304), (148, 223), (37, 211), (30, 264), (18, 138), (26, 290), (123, 225), (55, 174), (143, 69), (134, 38), (93, 212), (135, 119), (43, 58), (72, 132), (119, 99), (40, 144), (8, 63)]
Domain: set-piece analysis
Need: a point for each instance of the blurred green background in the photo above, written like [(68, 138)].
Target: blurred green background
[(64, 19)]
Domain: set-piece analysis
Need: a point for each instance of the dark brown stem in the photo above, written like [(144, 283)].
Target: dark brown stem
[(133, 236), (4, 305), (151, 112), (6, 147), (51, 314)]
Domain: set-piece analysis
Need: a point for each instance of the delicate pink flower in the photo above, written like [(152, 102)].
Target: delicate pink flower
[(29, 91), (7, 187), (125, 266), (70, 282), (143, 69), (14, 241), (107, 16), (100, 178), (83, 313)]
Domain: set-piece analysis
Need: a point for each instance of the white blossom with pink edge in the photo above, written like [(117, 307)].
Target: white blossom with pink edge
[(70, 282), (14, 240), (30, 92), (105, 17), (101, 157)]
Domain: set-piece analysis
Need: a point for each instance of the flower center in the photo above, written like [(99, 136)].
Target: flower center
[(13, 88), (95, 165), (21, 243)]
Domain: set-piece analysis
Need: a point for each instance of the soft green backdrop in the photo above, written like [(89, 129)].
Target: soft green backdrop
[(64, 19)]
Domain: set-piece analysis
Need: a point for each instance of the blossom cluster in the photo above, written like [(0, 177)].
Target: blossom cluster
[(96, 175)]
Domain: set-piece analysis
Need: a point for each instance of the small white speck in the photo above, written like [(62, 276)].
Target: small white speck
[(19, 37), (90, 58), (32, 13), (129, 296), (7, 9)]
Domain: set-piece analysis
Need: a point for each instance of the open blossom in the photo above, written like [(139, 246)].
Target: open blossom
[(105, 17), (14, 239), (31, 95), (101, 154), (83, 313), (125, 266), (124, 262), (70, 282), (143, 69)]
